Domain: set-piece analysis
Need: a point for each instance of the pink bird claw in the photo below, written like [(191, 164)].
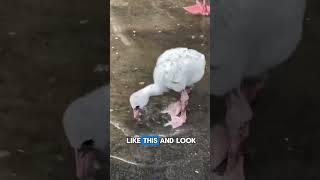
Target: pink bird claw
[(175, 122)]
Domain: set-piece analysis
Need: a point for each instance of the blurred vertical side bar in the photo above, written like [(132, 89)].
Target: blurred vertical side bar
[(251, 41)]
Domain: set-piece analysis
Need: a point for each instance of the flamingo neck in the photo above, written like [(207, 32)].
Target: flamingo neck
[(153, 90)]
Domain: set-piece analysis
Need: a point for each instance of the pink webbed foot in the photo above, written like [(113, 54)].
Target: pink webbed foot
[(199, 8), (177, 121), (177, 110)]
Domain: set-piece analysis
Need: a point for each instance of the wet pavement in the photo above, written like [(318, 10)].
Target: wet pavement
[(140, 32)]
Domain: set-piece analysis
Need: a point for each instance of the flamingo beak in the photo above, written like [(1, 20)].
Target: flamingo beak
[(137, 113)]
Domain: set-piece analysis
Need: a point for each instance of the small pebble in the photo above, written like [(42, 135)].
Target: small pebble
[(59, 157), (85, 21), (159, 31), (12, 33), (136, 68), (96, 165), (193, 36), (112, 47), (111, 110), (196, 171), (116, 38), (202, 44), (141, 83), (20, 150), (52, 80), (178, 24), (201, 36), (4, 153), (117, 53), (101, 68), (134, 31)]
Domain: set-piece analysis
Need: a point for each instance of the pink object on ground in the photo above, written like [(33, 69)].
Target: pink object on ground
[(177, 111), (199, 8)]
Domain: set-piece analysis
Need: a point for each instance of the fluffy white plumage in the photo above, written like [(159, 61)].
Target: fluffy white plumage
[(175, 69), (85, 119)]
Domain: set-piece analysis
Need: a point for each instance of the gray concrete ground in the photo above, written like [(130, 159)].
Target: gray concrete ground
[(140, 32)]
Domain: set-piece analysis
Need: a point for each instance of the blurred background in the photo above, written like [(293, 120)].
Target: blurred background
[(51, 52), (284, 142)]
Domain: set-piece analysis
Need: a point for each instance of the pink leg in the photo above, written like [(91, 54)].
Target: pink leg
[(84, 164), (219, 148), (177, 110), (236, 174), (238, 115)]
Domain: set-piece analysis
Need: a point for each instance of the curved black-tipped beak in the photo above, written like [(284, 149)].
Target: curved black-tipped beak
[(137, 113)]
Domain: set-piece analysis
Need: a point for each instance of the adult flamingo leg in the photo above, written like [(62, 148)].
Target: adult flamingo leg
[(178, 110), (238, 115)]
